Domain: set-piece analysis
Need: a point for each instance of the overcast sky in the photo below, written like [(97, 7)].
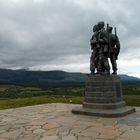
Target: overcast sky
[(55, 34)]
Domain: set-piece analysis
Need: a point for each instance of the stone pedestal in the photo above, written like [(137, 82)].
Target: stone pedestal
[(103, 97)]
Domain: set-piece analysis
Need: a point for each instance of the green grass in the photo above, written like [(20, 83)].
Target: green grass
[(131, 90), (12, 96), (131, 100), (13, 103), (9, 91)]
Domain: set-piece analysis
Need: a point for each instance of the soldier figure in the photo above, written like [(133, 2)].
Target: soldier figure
[(103, 64), (114, 49), (94, 47)]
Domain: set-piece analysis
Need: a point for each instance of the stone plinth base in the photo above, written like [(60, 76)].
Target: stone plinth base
[(103, 97), (120, 112)]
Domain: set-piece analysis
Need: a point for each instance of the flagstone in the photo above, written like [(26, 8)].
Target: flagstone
[(56, 122)]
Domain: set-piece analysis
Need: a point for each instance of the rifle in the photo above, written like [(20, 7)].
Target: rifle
[(115, 31), (108, 38)]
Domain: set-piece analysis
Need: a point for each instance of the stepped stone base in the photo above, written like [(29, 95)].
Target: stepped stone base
[(120, 112), (103, 97), (104, 105)]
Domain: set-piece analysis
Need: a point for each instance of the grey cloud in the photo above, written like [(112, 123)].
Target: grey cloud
[(46, 32)]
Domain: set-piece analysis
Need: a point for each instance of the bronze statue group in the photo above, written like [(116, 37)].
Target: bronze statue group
[(105, 46)]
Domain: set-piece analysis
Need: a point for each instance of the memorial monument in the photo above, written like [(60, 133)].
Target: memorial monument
[(103, 91)]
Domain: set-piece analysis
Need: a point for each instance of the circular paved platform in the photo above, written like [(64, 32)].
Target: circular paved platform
[(56, 122)]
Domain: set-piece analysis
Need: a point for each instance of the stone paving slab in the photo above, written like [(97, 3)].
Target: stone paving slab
[(56, 122)]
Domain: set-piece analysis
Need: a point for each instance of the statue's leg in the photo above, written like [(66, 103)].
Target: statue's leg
[(106, 63), (113, 62), (100, 63), (92, 63)]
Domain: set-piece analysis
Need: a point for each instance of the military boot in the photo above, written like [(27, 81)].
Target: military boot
[(114, 72), (93, 71)]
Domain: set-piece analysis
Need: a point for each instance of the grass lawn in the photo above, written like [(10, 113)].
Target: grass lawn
[(131, 100), (19, 102)]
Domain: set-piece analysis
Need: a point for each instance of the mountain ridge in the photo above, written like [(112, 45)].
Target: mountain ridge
[(43, 78)]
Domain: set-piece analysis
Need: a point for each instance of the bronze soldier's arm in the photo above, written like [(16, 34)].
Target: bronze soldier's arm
[(94, 42), (103, 39)]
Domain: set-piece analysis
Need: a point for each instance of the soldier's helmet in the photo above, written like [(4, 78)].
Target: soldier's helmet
[(109, 29), (95, 28), (101, 24)]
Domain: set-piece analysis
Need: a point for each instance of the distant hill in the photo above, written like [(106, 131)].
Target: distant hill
[(129, 78), (48, 78)]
